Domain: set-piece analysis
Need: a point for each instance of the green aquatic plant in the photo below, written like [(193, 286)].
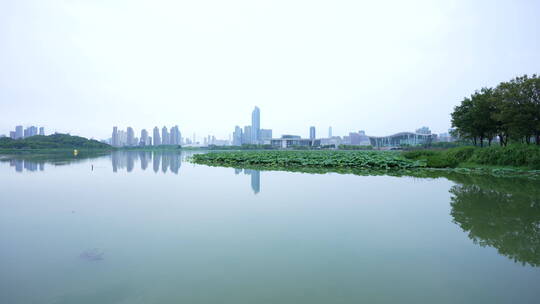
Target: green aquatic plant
[(312, 159), (352, 162)]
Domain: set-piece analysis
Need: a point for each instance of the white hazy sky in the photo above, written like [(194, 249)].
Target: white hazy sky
[(381, 66)]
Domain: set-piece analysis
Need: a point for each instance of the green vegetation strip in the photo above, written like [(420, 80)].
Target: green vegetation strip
[(510, 162), (310, 159), (51, 142), (524, 157)]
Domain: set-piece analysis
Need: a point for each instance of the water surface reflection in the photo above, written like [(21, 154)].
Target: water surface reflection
[(503, 213), (154, 230), (163, 160), (500, 213)]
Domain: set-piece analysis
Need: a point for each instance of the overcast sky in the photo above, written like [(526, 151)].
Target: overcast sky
[(380, 66)]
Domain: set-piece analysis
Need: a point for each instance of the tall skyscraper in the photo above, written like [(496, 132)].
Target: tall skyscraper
[(255, 125), (33, 131), (237, 136), (157, 138), (165, 139), (329, 131), (41, 131), (175, 136), (19, 132), (144, 138), (130, 137), (114, 139), (312, 133), (247, 135), (122, 138)]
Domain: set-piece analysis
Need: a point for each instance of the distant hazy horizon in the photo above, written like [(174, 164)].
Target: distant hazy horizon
[(85, 66)]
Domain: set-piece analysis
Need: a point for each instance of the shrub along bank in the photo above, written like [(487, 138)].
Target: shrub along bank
[(527, 156)]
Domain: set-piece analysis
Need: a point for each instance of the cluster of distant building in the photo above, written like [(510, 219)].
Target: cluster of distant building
[(27, 165), (21, 132), (253, 134), (127, 138)]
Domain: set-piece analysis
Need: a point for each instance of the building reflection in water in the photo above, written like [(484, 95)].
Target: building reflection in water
[(255, 178), (156, 162), (21, 165), (145, 157), (165, 160), (120, 160)]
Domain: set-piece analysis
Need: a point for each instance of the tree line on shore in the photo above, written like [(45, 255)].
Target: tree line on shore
[(509, 112), (53, 141)]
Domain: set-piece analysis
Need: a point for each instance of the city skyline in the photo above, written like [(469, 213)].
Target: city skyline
[(352, 65), (250, 135), (163, 136)]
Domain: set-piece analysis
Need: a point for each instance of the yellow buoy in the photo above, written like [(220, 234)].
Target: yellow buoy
[(75, 152)]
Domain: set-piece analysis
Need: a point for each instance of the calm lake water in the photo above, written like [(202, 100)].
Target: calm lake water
[(144, 227)]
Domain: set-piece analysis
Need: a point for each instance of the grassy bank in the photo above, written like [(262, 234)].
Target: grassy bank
[(525, 157)]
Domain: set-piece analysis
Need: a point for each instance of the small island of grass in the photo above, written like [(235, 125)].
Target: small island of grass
[(510, 161), (310, 159)]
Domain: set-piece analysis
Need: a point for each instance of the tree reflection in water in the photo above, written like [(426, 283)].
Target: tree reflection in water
[(502, 213)]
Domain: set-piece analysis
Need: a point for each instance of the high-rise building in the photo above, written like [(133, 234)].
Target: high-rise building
[(19, 132), (178, 136), (144, 138), (30, 131), (114, 139), (237, 136), (247, 135), (255, 125), (165, 139), (358, 139), (330, 132), (41, 131), (312, 133), (423, 130), (12, 134), (175, 136), (149, 141), (157, 138), (265, 135), (122, 138), (130, 137)]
